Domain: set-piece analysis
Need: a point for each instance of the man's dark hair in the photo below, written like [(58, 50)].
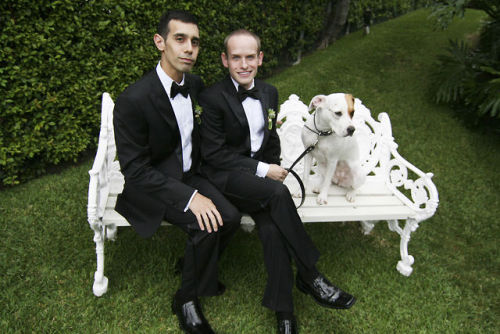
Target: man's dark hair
[(180, 15)]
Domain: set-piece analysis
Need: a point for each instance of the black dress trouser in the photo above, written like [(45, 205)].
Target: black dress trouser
[(203, 249), (280, 231)]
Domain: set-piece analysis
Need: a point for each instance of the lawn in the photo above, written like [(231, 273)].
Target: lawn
[(47, 257)]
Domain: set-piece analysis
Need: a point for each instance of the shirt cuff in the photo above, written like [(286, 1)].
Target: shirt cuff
[(262, 169), (189, 202)]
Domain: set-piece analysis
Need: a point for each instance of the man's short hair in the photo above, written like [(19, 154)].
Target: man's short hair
[(242, 32), (180, 15)]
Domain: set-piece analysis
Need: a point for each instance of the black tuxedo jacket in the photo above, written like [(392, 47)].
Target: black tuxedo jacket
[(149, 150), (226, 135)]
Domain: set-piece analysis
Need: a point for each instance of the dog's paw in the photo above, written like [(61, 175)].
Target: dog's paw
[(322, 199), (297, 194), (351, 196), (316, 190)]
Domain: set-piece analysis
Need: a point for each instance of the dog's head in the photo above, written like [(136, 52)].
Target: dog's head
[(334, 111)]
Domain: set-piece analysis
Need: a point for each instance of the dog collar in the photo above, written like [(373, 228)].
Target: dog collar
[(319, 132)]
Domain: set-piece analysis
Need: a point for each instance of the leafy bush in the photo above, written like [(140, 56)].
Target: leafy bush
[(57, 57), (469, 76), (381, 10)]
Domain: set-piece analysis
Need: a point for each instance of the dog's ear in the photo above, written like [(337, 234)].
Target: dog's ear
[(350, 104), (316, 101)]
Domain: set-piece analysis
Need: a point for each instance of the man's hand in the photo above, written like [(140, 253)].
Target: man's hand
[(206, 213), (277, 173)]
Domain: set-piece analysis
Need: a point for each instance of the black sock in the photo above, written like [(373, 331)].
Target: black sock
[(183, 297), (285, 315), (310, 275)]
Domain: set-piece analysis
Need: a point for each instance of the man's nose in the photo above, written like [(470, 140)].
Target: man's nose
[(189, 47)]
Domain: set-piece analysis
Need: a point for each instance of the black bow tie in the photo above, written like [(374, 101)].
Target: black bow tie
[(176, 89), (244, 93)]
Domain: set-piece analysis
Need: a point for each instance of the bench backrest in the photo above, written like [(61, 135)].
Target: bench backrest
[(105, 166), (371, 135)]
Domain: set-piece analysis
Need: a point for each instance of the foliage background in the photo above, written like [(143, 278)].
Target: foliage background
[(58, 57), (47, 256), (468, 75)]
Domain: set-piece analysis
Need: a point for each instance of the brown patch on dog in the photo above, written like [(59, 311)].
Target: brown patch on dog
[(350, 104)]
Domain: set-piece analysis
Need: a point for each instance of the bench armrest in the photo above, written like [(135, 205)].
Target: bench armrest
[(411, 185)]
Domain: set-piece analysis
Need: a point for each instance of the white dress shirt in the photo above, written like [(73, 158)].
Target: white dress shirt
[(183, 111), (256, 123)]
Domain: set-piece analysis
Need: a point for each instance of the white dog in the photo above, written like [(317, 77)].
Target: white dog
[(336, 150)]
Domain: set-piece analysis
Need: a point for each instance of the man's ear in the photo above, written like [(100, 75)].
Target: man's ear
[(261, 57), (159, 42), (223, 57), (316, 101)]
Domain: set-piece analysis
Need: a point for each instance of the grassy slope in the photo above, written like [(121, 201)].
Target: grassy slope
[(47, 255)]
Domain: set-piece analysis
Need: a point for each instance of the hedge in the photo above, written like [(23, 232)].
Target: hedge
[(57, 57)]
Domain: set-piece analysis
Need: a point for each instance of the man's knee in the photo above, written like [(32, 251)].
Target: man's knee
[(281, 191), (231, 217)]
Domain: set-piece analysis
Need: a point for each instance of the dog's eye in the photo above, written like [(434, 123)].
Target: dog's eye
[(338, 113)]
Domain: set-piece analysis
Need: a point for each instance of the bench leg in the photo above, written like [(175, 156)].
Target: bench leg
[(100, 281), (367, 226), (404, 266), (111, 232)]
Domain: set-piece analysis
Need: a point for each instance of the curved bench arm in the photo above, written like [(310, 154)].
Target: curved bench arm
[(423, 195)]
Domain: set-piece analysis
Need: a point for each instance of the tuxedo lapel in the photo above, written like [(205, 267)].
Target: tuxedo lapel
[(235, 105), (265, 102), (161, 103)]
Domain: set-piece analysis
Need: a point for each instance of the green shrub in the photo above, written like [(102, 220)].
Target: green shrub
[(469, 76), (57, 57)]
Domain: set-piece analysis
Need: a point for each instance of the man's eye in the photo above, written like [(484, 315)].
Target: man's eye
[(195, 42)]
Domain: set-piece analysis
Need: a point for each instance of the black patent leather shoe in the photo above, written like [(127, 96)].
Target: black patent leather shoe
[(325, 293), (191, 319), (221, 288), (287, 326)]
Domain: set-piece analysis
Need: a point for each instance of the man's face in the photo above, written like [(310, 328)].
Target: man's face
[(242, 59), (180, 49)]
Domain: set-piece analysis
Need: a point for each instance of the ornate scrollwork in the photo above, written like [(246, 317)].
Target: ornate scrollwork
[(424, 196)]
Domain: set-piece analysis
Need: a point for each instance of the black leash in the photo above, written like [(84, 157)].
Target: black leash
[(297, 177), (307, 150)]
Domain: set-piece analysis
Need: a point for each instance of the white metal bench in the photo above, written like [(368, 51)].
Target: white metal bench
[(395, 189)]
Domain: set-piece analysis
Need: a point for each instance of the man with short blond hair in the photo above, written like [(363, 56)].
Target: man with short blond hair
[(241, 153)]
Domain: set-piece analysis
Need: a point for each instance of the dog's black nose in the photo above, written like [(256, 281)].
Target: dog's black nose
[(350, 130)]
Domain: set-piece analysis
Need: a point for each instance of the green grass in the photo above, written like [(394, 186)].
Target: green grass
[(47, 256)]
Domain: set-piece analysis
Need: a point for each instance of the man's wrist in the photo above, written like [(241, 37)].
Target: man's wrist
[(262, 169), (190, 200)]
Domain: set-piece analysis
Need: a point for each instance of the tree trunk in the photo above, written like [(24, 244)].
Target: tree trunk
[(336, 20)]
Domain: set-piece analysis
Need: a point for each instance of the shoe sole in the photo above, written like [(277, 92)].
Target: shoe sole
[(303, 289)]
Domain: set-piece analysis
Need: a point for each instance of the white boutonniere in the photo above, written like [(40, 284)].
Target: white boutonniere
[(271, 114), (198, 110)]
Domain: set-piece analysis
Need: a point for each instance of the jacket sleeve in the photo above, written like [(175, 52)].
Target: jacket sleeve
[(134, 154), (214, 148)]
